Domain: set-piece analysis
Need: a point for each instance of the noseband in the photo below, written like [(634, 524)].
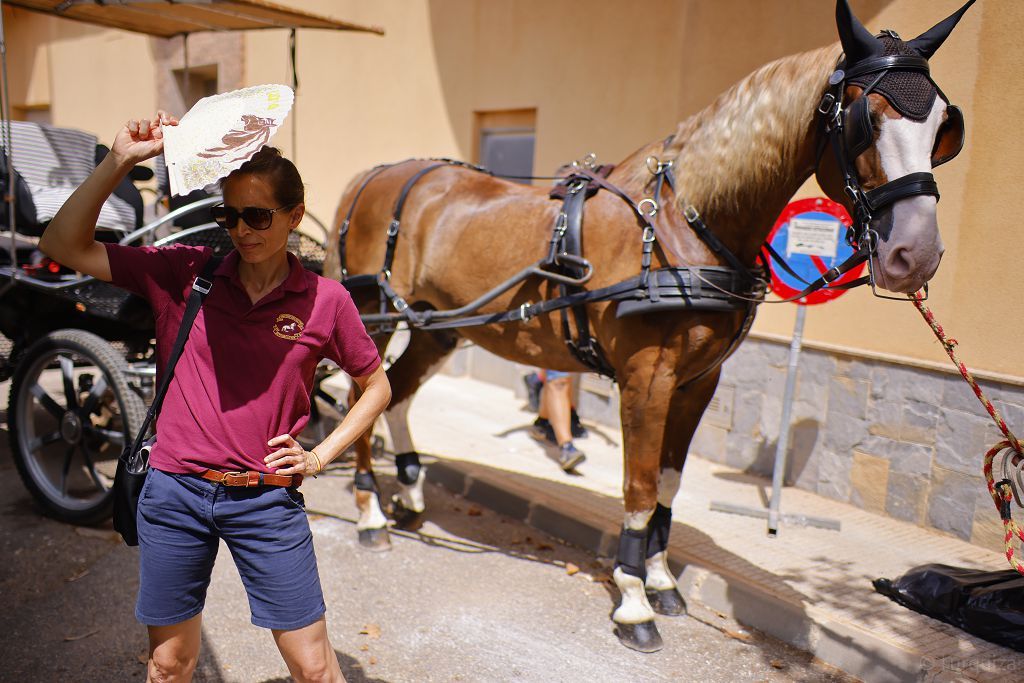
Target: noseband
[(850, 132)]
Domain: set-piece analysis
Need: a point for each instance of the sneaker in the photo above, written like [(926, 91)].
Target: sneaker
[(569, 457), (543, 431), (576, 427), (533, 388)]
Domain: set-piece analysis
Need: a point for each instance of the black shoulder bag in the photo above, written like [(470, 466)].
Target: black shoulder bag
[(133, 465)]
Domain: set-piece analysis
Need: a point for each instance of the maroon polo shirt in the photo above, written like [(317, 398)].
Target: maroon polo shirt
[(246, 372)]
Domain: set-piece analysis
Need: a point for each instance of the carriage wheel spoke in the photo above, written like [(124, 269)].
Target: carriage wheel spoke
[(90, 402), (45, 440), (67, 370), (47, 401), (90, 465), (111, 435), (65, 470)]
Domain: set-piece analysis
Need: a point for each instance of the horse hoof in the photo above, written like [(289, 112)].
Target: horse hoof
[(642, 637), (668, 602), (376, 540), (405, 519)]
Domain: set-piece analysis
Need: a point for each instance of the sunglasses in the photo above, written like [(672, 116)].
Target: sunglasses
[(255, 217)]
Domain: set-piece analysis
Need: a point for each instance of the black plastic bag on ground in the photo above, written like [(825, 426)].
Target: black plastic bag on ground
[(987, 604)]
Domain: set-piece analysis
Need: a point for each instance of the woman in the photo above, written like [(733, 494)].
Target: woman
[(239, 396)]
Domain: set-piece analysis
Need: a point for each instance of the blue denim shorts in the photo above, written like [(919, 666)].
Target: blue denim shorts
[(182, 518), (555, 374)]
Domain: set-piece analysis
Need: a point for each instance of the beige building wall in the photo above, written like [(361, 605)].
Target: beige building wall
[(606, 78)]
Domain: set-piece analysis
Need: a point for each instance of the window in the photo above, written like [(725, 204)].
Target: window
[(201, 82), (505, 142)]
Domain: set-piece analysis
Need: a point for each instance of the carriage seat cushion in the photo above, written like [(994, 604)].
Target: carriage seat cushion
[(559, 191), (53, 162)]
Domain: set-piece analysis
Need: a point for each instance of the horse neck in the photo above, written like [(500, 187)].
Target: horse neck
[(740, 160)]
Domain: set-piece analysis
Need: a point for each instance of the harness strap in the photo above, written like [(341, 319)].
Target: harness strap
[(343, 233), (906, 186), (396, 221)]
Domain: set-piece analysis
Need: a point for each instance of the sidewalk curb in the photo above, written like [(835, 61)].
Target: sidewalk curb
[(845, 645)]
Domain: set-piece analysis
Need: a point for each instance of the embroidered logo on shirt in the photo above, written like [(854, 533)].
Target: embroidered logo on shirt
[(287, 326)]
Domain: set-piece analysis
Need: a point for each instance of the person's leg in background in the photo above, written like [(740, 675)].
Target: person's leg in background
[(556, 409)]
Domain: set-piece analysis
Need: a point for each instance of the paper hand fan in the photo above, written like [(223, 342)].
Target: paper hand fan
[(222, 132)]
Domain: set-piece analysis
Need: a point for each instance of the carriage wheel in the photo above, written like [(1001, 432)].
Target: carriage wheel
[(70, 413)]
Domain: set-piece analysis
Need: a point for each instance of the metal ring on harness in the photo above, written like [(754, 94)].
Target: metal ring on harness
[(648, 235), (524, 314), (393, 228), (576, 185), (652, 212), (654, 165)]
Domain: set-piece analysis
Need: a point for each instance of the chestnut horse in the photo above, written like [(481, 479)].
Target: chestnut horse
[(871, 128)]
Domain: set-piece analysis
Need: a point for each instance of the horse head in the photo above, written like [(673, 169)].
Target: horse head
[(889, 125)]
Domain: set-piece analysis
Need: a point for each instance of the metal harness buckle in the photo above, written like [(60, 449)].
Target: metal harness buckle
[(524, 312), (201, 285)]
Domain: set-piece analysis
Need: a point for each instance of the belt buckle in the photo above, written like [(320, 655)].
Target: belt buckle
[(231, 479)]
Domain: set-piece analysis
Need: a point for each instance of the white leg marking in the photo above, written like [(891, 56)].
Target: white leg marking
[(637, 521), (411, 497), (659, 578), (370, 514), (634, 608), (397, 417), (668, 487)]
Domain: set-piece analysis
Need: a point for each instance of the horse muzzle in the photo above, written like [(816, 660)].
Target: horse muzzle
[(909, 246)]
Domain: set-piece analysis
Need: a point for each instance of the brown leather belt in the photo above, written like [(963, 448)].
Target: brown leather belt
[(252, 478)]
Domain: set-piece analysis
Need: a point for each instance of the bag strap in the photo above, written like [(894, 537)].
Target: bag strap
[(200, 288)]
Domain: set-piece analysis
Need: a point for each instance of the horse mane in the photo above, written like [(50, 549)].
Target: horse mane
[(749, 140)]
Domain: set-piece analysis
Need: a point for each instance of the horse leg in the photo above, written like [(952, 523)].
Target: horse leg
[(372, 525), (685, 410), (422, 358), (649, 441)]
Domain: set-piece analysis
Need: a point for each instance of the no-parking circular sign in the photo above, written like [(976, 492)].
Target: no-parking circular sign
[(810, 234)]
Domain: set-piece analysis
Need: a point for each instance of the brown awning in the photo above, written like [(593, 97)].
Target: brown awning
[(167, 18)]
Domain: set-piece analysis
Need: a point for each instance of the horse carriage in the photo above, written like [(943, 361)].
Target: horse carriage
[(79, 351)]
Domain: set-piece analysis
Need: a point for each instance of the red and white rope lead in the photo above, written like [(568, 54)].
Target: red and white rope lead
[(1001, 492)]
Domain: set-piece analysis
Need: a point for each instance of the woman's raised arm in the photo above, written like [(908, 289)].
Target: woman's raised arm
[(70, 239)]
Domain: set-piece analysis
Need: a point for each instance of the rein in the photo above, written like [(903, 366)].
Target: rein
[(1009, 488)]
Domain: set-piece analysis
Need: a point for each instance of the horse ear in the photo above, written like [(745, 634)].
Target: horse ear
[(928, 42), (858, 43)]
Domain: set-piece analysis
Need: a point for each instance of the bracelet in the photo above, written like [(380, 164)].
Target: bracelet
[(319, 466)]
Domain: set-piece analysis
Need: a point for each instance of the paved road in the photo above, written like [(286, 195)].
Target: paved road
[(472, 596)]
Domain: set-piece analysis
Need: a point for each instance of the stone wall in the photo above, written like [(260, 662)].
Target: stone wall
[(896, 440)]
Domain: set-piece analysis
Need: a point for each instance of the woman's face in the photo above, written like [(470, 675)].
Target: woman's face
[(258, 246)]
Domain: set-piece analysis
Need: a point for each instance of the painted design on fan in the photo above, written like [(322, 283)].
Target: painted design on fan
[(242, 143)]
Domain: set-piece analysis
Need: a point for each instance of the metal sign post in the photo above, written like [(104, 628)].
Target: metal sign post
[(807, 232)]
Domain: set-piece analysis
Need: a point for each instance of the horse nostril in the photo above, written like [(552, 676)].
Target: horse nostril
[(900, 263)]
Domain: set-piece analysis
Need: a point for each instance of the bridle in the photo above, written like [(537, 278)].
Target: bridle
[(850, 132)]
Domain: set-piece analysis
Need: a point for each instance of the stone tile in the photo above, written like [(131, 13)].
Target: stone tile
[(961, 440), (885, 417), (710, 442), (854, 368), (907, 383), (843, 434), (919, 421), (869, 481), (847, 397), (746, 412), (565, 527), (958, 394), (987, 528), (498, 499), (448, 476), (907, 497), (1013, 415), (834, 475), (952, 501)]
